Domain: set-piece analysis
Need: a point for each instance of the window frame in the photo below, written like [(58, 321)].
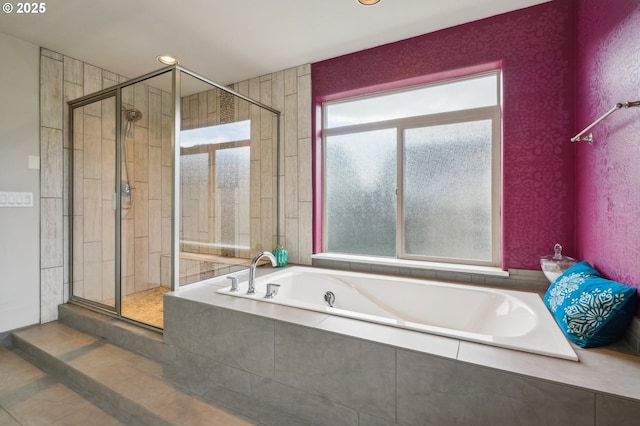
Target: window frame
[(492, 113)]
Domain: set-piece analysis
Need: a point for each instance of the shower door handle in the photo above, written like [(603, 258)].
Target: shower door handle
[(115, 201)]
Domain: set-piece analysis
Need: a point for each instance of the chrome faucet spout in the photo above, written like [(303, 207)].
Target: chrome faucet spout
[(254, 264)]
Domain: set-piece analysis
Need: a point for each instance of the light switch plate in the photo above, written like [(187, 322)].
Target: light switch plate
[(16, 199), (34, 162)]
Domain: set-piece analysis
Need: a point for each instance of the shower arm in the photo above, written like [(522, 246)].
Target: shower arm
[(589, 137)]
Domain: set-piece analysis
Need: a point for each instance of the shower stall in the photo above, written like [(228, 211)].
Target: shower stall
[(173, 179)]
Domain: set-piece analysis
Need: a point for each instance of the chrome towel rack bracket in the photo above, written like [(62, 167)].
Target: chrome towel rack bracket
[(581, 137)]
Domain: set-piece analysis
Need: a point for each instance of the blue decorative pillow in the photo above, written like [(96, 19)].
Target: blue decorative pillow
[(590, 310)]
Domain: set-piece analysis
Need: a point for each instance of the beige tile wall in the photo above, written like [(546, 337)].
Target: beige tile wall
[(64, 78), (53, 212), (289, 91)]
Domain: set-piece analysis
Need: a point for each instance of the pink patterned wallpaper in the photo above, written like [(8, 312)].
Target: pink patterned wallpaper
[(535, 48), (608, 172)]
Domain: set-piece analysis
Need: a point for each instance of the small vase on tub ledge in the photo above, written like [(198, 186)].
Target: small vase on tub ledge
[(554, 265), (281, 254)]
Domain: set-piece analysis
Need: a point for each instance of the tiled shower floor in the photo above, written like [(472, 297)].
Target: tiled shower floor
[(145, 306)]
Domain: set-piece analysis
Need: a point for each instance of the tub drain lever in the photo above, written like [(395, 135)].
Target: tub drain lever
[(330, 298)]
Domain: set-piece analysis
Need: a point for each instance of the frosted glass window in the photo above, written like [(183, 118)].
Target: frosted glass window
[(436, 98), (194, 170), (233, 200), (360, 193), (232, 167), (447, 191), (415, 174)]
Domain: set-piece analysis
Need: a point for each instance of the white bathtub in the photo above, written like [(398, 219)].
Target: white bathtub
[(510, 319)]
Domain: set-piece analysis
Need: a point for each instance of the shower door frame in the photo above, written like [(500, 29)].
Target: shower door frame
[(113, 92), (116, 92)]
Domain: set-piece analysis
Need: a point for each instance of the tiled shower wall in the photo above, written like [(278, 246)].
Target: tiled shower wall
[(63, 78)]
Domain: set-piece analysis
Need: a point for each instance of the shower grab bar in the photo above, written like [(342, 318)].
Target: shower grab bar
[(589, 137)]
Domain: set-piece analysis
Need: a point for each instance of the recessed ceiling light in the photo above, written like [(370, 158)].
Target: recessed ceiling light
[(368, 2), (167, 60)]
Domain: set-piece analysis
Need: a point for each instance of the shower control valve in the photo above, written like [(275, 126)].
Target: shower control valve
[(125, 188)]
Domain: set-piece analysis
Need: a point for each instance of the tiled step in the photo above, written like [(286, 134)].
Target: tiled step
[(126, 335), (123, 382), (30, 396), (151, 345)]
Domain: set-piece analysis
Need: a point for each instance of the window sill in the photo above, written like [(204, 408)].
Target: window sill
[(415, 264)]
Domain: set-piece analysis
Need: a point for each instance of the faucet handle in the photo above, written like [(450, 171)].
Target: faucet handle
[(234, 283), (272, 290)]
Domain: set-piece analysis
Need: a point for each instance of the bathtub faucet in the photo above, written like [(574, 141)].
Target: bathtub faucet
[(252, 269)]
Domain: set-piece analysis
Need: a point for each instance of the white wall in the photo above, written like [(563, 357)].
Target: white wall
[(19, 227)]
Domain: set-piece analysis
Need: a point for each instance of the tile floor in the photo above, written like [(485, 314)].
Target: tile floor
[(29, 396)]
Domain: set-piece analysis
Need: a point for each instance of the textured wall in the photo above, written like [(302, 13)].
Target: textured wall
[(535, 49), (608, 172), (19, 230)]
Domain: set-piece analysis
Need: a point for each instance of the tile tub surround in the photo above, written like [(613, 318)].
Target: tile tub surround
[(334, 370)]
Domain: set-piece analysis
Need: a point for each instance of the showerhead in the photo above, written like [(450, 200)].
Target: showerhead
[(132, 115)]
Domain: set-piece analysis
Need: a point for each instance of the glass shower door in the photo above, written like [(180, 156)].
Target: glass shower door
[(147, 119), (93, 203)]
